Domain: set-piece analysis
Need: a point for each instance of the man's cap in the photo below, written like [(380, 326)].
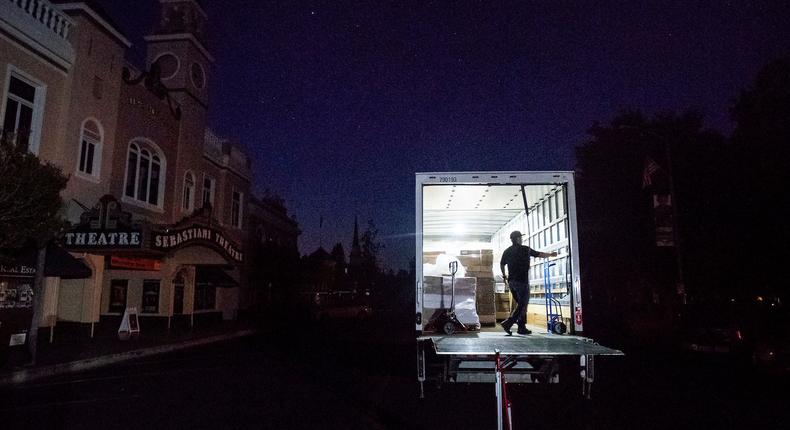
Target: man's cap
[(515, 234)]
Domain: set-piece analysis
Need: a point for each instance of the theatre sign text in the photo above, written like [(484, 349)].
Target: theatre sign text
[(196, 235)]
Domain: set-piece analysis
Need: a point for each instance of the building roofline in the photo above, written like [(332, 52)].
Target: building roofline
[(196, 3), (97, 17)]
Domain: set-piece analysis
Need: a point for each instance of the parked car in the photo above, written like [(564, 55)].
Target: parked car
[(755, 331), (349, 311), (341, 305)]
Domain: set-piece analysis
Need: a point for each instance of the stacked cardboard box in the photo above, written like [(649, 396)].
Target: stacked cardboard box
[(430, 257), (479, 264), (502, 305)]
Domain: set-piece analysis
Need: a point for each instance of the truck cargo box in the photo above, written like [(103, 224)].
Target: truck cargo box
[(467, 218)]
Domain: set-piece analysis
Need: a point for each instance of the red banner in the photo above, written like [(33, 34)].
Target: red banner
[(135, 263)]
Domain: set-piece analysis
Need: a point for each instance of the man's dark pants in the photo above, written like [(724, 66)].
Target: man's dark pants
[(520, 291)]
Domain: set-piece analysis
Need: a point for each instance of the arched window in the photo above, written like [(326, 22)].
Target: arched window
[(145, 173), (189, 192), (89, 162)]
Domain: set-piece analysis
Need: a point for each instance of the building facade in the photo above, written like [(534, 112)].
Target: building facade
[(159, 203)]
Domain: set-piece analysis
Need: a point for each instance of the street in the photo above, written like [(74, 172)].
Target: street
[(339, 376)]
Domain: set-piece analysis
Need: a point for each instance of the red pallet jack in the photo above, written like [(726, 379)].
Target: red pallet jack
[(504, 407), (444, 319)]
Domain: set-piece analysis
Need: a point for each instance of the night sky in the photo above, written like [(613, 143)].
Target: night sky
[(339, 103)]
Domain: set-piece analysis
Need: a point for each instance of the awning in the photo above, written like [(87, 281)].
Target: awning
[(59, 263), (215, 276)]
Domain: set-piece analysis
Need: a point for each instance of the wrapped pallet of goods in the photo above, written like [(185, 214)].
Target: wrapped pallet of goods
[(438, 295)]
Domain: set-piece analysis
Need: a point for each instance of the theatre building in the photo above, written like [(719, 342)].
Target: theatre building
[(168, 235), (158, 202)]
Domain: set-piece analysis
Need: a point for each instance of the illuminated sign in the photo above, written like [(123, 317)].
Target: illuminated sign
[(103, 239), (105, 226), (18, 270), (196, 235), (117, 262)]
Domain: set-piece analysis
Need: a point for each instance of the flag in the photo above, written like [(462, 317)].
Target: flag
[(650, 168)]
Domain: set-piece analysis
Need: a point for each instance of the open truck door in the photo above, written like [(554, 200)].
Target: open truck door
[(466, 219)]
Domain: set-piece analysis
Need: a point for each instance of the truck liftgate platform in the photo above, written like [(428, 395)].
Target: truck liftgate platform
[(493, 357), (535, 358)]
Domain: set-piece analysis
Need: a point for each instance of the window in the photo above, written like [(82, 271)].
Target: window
[(90, 148), (19, 115), (208, 191), (189, 192), (151, 296), (145, 169), (205, 296), (235, 209), (118, 289)]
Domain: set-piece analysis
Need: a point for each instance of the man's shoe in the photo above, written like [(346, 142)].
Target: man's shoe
[(524, 331), (506, 327)]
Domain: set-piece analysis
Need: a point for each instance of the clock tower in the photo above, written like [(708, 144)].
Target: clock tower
[(177, 46)]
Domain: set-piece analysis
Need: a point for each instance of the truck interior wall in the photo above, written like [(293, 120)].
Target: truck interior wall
[(547, 231)]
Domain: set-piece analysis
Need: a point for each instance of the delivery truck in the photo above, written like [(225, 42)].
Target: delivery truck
[(463, 225)]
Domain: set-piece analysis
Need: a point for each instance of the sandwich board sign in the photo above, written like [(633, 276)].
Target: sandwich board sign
[(129, 324)]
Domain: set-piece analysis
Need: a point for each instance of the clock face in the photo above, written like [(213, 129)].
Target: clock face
[(197, 75), (168, 65)]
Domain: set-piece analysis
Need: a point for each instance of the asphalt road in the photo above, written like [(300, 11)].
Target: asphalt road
[(338, 376)]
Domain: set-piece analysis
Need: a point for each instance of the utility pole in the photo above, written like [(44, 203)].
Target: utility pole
[(38, 304), (680, 287)]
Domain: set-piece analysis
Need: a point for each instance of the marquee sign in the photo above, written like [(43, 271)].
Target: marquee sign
[(104, 227), (103, 239), (195, 235)]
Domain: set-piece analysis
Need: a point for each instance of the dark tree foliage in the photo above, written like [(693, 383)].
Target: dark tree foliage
[(761, 160), (29, 198), (339, 256), (370, 245), (623, 268), (371, 248)]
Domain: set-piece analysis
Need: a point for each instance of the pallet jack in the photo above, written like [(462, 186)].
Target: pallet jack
[(554, 322), (444, 319)]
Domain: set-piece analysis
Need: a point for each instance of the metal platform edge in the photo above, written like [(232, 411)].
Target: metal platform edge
[(531, 345)]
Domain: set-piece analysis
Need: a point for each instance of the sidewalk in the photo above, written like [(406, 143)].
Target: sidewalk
[(77, 355)]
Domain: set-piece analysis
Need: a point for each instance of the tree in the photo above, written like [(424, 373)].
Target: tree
[(29, 213), (339, 256), (761, 171), (29, 198), (370, 248), (622, 264)]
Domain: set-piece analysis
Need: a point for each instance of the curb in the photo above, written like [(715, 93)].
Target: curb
[(29, 375)]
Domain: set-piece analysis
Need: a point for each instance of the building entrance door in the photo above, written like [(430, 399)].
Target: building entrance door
[(178, 295)]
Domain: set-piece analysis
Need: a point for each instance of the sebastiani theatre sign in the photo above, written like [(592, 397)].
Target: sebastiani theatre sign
[(196, 235)]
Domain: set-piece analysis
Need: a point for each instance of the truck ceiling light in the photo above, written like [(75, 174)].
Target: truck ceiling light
[(459, 229)]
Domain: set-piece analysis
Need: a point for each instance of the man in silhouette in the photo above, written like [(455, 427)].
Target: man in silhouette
[(516, 258)]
